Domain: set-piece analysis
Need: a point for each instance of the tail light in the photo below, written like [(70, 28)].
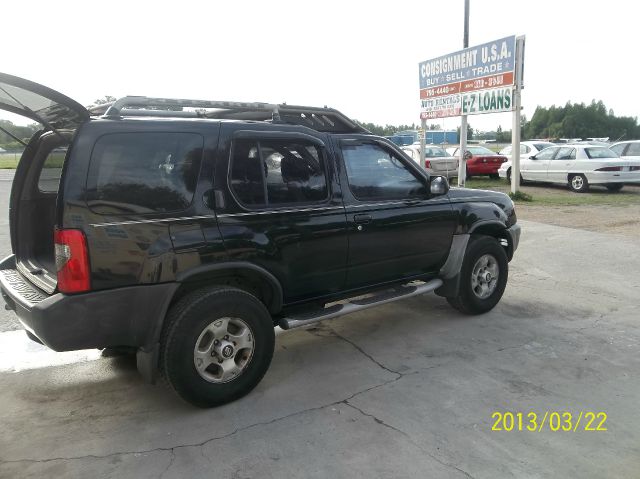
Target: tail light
[(427, 164), (72, 261), (610, 168)]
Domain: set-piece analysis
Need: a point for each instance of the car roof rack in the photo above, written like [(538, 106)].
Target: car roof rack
[(323, 119)]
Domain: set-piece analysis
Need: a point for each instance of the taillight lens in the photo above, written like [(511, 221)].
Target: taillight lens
[(610, 168), (427, 164), (72, 261)]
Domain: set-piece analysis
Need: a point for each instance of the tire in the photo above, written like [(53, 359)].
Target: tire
[(494, 176), (522, 182), (614, 187), (467, 175), (469, 300), (227, 317), (578, 183)]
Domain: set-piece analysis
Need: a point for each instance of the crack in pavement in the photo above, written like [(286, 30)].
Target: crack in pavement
[(173, 458), (409, 438), (207, 441), (172, 449), (358, 348)]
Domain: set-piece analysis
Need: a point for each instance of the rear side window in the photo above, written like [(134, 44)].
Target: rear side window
[(277, 172), (144, 172), (596, 153), (49, 179)]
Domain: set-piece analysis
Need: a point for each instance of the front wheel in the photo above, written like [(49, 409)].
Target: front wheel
[(509, 177), (494, 176), (483, 276), (217, 345)]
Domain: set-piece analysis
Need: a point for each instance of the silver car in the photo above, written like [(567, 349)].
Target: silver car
[(437, 160)]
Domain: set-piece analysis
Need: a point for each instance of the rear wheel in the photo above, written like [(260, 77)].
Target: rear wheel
[(494, 176), (614, 187), (578, 183), (483, 276), (217, 345)]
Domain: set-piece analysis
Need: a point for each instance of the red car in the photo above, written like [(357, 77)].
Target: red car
[(482, 161)]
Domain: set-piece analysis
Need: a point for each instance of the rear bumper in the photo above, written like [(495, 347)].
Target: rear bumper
[(130, 316), (483, 168)]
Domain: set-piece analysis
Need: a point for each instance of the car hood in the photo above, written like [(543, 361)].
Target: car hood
[(469, 195)]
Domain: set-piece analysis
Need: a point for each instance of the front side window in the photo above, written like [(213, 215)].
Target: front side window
[(618, 149), (376, 174), (634, 149), (546, 154), (277, 172), (144, 172), (566, 153)]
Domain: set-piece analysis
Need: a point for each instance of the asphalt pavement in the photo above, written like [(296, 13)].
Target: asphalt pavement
[(408, 389)]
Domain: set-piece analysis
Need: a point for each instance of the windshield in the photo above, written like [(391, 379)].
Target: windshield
[(480, 150), (595, 153), (434, 152)]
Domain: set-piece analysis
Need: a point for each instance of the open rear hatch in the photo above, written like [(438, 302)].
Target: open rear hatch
[(34, 193)]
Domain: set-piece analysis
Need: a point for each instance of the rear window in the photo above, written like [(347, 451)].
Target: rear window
[(595, 153), (49, 179), (144, 172), (542, 146), (480, 150), (431, 152)]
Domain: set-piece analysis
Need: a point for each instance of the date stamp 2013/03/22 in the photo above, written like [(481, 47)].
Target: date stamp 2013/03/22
[(550, 421)]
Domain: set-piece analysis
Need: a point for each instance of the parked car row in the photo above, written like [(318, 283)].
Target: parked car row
[(578, 165)]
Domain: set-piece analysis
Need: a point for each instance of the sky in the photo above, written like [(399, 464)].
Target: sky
[(360, 57)]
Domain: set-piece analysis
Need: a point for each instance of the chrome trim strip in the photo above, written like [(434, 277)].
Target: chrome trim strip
[(157, 220), (271, 212), (224, 215)]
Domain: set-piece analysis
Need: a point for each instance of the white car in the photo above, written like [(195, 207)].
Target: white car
[(527, 149), (579, 166), (629, 150), (437, 160)]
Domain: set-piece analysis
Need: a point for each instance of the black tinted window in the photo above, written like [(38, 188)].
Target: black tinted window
[(51, 172), (144, 172), (375, 173), (277, 172)]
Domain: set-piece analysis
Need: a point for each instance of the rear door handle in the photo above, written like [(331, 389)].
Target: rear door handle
[(362, 219)]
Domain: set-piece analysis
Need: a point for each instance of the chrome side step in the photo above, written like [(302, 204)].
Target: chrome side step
[(354, 305)]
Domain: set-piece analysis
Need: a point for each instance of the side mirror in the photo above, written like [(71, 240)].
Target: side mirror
[(438, 185), (532, 157), (467, 155)]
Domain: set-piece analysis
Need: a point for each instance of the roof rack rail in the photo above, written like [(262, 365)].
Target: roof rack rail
[(320, 119)]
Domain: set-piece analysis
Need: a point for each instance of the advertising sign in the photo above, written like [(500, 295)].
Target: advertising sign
[(447, 83), (470, 103)]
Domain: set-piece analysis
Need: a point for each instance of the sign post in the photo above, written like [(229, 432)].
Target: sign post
[(462, 162), (515, 125)]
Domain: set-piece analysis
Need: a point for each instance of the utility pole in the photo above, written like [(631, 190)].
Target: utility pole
[(462, 168)]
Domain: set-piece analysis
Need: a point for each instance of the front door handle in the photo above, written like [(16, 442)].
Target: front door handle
[(362, 219)]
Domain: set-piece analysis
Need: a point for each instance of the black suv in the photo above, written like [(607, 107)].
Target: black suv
[(189, 229)]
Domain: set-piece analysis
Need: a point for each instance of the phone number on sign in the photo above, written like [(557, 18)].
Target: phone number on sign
[(550, 421)]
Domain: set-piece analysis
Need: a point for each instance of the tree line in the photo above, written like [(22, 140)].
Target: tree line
[(573, 120)]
